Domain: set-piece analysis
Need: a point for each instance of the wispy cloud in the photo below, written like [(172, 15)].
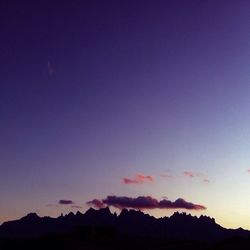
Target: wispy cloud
[(189, 174), (167, 174), (144, 202), (192, 174), (138, 179)]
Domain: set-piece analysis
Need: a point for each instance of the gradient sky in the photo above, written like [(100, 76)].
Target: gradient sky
[(92, 92)]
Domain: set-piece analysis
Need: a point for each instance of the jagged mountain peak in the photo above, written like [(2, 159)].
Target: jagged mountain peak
[(91, 211), (78, 213), (30, 216), (105, 210)]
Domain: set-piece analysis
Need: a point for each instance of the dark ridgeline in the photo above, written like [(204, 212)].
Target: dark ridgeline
[(103, 226)]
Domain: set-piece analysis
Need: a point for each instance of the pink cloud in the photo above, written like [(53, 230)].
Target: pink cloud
[(138, 179)]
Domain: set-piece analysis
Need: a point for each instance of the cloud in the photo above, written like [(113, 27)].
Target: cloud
[(96, 203), (65, 202), (144, 202), (200, 175), (138, 179), (180, 203), (189, 174)]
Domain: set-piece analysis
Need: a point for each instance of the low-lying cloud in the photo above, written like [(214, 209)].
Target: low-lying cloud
[(96, 203), (144, 202), (65, 202)]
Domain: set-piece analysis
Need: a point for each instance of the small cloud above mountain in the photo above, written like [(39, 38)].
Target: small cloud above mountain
[(65, 202)]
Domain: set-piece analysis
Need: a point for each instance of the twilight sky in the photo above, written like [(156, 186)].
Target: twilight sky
[(106, 100)]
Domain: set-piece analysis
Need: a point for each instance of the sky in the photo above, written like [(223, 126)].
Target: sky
[(108, 101)]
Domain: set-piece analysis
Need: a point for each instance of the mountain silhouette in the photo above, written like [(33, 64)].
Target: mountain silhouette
[(129, 223)]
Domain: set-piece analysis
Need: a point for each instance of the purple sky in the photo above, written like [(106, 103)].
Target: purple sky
[(92, 92)]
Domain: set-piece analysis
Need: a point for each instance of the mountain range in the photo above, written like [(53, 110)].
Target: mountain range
[(179, 226)]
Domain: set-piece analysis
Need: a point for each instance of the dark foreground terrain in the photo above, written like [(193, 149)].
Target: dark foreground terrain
[(64, 242), (100, 229)]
